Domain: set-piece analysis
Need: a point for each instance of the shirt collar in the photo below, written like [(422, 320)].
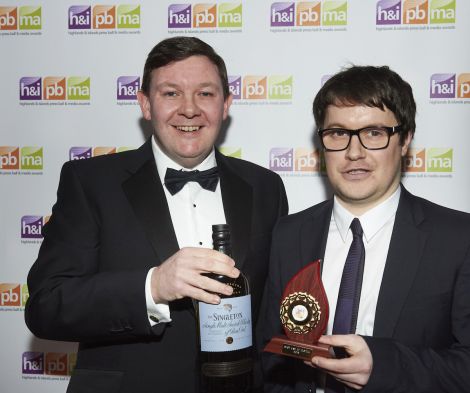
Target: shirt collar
[(163, 161), (371, 221)]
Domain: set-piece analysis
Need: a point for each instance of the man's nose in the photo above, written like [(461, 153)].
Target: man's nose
[(355, 149), (189, 107)]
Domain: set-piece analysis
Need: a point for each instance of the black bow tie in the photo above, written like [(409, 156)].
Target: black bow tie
[(175, 180)]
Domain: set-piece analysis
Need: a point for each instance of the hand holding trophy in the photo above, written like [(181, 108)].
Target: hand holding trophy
[(304, 316)]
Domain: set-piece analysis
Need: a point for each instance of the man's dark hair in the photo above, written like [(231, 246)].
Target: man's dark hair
[(180, 48), (378, 87)]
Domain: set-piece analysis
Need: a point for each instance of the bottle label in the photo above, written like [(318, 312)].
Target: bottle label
[(225, 326)]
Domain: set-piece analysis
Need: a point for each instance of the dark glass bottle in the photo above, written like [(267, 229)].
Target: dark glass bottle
[(225, 331)]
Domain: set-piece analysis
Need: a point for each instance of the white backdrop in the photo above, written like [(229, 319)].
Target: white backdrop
[(69, 73)]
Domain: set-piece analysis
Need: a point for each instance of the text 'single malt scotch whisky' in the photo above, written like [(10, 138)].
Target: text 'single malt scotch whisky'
[(225, 331)]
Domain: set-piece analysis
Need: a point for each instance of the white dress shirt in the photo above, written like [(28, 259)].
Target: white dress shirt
[(377, 225), (193, 211)]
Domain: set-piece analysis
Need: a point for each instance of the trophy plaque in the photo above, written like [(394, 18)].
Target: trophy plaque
[(304, 316)]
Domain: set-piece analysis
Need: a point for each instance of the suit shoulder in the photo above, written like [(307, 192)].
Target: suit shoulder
[(104, 171), (250, 170), (443, 216), (240, 163), (296, 220), (102, 164)]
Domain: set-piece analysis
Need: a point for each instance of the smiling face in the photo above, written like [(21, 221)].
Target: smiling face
[(186, 107), (363, 178)]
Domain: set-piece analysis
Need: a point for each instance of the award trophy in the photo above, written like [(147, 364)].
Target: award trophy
[(304, 316)]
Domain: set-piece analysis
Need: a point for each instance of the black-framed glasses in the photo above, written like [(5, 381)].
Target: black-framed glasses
[(372, 138)]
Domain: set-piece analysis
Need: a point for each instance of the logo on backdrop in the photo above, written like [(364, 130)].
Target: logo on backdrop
[(231, 151), (54, 90), (47, 365), (13, 296), (306, 16), (205, 18), (324, 78), (428, 162), (449, 88), (27, 160), (104, 19), (84, 152), (261, 89), (300, 161), (23, 20), (31, 229), (415, 14), (126, 90)]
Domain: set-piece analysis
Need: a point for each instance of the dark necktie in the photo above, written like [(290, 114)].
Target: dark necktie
[(348, 297), (175, 180)]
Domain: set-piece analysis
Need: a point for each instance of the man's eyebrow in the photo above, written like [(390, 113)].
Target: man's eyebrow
[(340, 125), (177, 86), (208, 84), (167, 84)]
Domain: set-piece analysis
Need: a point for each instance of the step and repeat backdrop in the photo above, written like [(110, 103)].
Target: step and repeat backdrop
[(69, 75)]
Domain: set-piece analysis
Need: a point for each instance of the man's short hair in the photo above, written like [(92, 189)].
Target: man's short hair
[(371, 86), (180, 48)]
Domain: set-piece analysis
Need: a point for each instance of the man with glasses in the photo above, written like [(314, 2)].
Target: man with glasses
[(396, 267)]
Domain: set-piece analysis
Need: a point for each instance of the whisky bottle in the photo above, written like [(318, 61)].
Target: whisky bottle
[(225, 331)]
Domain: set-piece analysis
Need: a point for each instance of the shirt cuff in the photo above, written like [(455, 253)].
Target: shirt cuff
[(156, 312)]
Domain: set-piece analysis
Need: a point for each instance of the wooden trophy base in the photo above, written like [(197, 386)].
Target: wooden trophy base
[(281, 345)]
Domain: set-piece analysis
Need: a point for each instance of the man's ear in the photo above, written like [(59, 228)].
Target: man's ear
[(406, 144), (227, 103), (144, 103)]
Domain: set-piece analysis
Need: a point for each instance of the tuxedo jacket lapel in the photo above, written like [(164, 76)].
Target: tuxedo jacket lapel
[(147, 198), (404, 256), (237, 198)]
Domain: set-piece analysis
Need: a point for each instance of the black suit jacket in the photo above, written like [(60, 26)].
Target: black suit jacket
[(421, 339), (109, 226)]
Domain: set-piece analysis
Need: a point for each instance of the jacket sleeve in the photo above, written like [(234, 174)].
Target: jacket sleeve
[(71, 299), (281, 374), (401, 368), (283, 203)]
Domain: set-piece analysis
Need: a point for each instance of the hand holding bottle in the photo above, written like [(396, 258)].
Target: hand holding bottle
[(182, 275), (225, 330)]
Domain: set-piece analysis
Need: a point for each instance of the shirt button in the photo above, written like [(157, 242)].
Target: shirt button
[(194, 205), (200, 243), (154, 318)]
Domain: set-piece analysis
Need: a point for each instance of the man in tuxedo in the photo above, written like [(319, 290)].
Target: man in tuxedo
[(408, 328), (129, 241)]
